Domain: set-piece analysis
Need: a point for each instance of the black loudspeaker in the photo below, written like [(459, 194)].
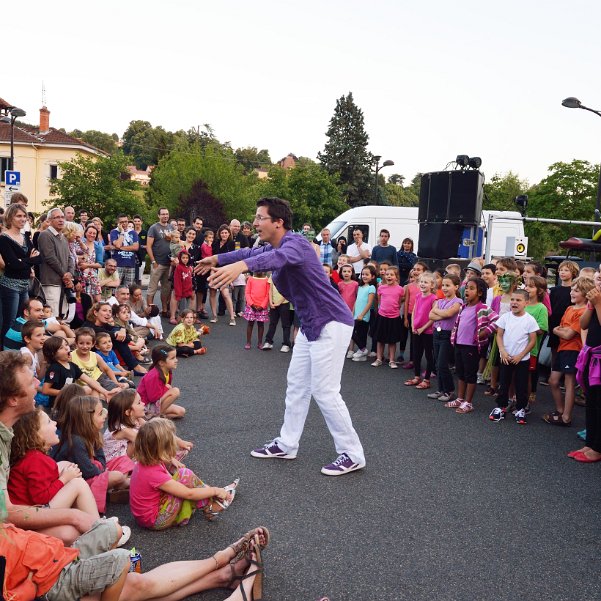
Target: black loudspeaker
[(454, 196), (439, 240)]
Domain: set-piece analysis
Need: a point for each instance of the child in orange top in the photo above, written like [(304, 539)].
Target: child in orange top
[(257, 306), (570, 343)]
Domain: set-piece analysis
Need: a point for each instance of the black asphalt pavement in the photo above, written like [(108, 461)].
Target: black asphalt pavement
[(449, 507)]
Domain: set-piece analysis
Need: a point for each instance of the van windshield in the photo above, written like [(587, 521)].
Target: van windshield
[(336, 229)]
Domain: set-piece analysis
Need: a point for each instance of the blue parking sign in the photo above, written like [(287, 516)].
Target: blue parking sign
[(12, 178)]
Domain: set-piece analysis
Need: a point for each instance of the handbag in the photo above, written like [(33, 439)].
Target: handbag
[(36, 290)]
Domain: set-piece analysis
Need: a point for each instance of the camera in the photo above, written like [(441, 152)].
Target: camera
[(70, 295)]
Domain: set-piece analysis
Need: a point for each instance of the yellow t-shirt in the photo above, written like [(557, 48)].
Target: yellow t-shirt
[(89, 367)]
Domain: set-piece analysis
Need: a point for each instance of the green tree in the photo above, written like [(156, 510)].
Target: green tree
[(345, 154), (251, 158), (399, 196), (216, 166), (501, 190), (99, 139), (99, 184), (313, 194), (568, 192)]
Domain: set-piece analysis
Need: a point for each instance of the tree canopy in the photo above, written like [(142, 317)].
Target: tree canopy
[(99, 139)]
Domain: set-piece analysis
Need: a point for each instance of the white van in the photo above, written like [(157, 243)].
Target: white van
[(402, 223)]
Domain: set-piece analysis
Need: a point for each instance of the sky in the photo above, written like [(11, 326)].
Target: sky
[(434, 79)]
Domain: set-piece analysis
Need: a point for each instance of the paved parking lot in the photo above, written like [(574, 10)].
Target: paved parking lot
[(449, 507)]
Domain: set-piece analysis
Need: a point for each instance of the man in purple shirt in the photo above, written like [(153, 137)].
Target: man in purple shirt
[(320, 348)]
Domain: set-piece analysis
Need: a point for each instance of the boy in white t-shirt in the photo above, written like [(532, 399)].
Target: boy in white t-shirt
[(516, 337)]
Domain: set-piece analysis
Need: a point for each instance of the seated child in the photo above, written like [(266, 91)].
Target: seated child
[(35, 478), (159, 500), (104, 349), (185, 337)]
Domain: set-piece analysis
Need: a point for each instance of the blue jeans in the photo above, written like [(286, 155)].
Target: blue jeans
[(442, 357), (11, 303)]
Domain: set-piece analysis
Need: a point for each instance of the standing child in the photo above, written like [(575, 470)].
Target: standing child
[(388, 328), (257, 301), (92, 365), (443, 313), (279, 309), (422, 331), (183, 284), (206, 250), (516, 337), (185, 337), (569, 333), (35, 478), (62, 371), (347, 287), (366, 294), (81, 443), (536, 287), (156, 389), (411, 293), (159, 500), (475, 323)]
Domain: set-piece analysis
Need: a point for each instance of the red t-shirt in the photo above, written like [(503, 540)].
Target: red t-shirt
[(145, 494), (33, 479)]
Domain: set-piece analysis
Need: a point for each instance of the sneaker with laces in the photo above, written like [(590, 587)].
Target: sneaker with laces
[(343, 465), (480, 379), (285, 348), (349, 354), (360, 355), (435, 395), (267, 346), (520, 417), (447, 396), (497, 414), (271, 450)]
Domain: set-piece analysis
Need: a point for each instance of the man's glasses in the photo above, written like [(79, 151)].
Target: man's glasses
[(260, 218)]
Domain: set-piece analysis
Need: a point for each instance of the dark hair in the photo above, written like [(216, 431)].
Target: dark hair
[(453, 278), (85, 332), (51, 347), (491, 266), (384, 231), (162, 209), (374, 275), (540, 284), (27, 304), (191, 229), (119, 404), (277, 208), (385, 262), (481, 286), (407, 240), (63, 398), (29, 327), (160, 353), (222, 228), (10, 363), (523, 293), (78, 421), (26, 436), (423, 264), (122, 216), (539, 268), (117, 307)]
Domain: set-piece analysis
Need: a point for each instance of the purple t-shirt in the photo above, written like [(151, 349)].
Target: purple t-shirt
[(468, 324), (145, 494), (299, 277), (443, 304)]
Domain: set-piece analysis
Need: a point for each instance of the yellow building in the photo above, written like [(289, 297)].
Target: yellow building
[(37, 153)]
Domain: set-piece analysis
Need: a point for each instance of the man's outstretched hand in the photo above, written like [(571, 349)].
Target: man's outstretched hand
[(222, 276)]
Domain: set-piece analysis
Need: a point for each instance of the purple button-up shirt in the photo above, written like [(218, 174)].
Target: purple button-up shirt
[(299, 277)]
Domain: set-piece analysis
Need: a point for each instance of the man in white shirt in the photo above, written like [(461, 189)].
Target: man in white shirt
[(358, 251)]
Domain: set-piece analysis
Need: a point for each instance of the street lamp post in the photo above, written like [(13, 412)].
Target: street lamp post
[(378, 167), (574, 103), (14, 113)]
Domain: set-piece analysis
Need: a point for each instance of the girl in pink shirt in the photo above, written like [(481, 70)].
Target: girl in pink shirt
[(347, 286), (257, 306), (422, 331), (159, 500), (411, 293), (388, 326)]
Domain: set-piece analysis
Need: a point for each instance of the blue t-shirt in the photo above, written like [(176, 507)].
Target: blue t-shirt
[(111, 359), (363, 293), (125, 258)]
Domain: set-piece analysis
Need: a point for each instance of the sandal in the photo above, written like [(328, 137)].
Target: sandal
[(465, 407), (413, 381), (254, 556), (454, 403), (490, 391), (241, 546), (423, 385), (210, 512), (556, 419)]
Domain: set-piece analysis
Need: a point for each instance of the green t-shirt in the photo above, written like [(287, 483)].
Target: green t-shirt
[(540, 313)]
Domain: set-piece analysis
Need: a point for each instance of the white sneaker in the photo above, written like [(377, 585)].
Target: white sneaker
[(349, 354), (285, 348), (267, 346), (125, 536), (480, 379)]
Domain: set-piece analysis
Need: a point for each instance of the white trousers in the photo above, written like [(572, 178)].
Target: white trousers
[(315, 370)]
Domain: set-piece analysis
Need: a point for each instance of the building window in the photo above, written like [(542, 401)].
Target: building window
[(4, 166), (53, 171)]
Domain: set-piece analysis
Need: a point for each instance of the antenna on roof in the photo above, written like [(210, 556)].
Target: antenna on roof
[(43, 94)]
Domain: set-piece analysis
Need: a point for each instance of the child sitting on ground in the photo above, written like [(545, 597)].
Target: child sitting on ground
[(159, 500), (516, 337), (185, 337), (104, 349)]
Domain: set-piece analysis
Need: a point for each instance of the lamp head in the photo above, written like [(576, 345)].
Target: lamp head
[(475, 162), (377, 158), (388, 163), (462, 160), (571, 103)]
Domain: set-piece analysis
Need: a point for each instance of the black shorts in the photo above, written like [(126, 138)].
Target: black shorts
[(466, 363), (565, 362)]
